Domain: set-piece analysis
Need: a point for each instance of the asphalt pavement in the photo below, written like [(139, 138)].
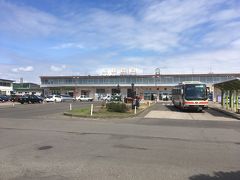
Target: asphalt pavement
[(37, 142)]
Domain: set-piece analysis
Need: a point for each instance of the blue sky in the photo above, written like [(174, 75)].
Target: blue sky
[(81, 37)]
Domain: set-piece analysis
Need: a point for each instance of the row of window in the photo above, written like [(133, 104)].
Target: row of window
[(5, 84), (137, 80), (176, 91)]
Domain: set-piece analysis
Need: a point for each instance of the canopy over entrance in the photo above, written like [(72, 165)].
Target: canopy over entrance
[(233, 84), (230, 92)]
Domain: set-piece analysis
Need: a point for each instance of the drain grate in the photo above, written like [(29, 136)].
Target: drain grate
[(44, 147)]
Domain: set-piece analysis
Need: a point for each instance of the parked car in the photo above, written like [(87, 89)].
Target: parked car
[(4, 98), (14, 98), (40, 97), (29, 99), (106, 98), (66, 97), (53, 98), (84, 98)]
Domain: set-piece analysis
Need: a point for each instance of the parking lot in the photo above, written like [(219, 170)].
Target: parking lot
[(159, 112), (42, 110), (38, 142)]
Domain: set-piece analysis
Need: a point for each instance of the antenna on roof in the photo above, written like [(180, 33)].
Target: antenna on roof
[(21, 80), (157, 71), (210, 70)]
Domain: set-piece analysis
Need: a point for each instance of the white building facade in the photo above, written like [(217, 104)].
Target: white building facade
[(6, 86), (148, 87)]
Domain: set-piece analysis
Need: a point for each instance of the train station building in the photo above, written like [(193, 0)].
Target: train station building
[(148, 87)]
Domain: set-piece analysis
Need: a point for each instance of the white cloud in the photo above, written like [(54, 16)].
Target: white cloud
[(23, 69), (159, 26), (226, 14), (57, 68), (224, 34), (175, 35), (219, 61), (68, 45), (26, 20)]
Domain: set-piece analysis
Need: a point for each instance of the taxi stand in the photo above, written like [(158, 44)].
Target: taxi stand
[(230, 92)]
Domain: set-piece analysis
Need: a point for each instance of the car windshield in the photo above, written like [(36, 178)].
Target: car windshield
[(195, 92), (49, 96)]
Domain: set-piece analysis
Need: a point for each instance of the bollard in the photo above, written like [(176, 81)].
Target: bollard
[(135, 110), (149, 103), (91, 109), (70, 106), (13, 104)]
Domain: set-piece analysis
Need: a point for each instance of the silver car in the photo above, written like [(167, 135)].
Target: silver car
[(66, 97)]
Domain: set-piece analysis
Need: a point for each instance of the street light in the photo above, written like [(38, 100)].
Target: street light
[(118, 89), (133, 96), (156, 76), (132, 90)]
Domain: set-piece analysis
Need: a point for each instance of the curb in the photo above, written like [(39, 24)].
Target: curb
[(232, 114), (114, 117)]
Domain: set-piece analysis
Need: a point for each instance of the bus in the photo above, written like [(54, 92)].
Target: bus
[(190, 95)]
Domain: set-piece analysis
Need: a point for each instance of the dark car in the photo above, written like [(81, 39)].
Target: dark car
[(14, 98), (29, 99), (40, 97), (4, 98)]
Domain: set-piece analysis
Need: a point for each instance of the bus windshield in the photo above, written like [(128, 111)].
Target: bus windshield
[(195, 92)]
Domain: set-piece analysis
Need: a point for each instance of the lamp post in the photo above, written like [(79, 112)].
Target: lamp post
[(133, 99), (156, 76), (132, 90), (118, 89)]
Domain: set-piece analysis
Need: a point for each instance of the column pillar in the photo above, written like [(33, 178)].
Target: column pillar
[(226, 99), (236, 100), (222, 97), (231, 100)]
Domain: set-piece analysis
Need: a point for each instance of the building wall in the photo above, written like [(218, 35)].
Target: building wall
[(6, 87), (26, 88), (6, 90), (145, 86)]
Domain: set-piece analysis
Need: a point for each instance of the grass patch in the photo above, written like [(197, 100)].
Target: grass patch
[(102, 112)]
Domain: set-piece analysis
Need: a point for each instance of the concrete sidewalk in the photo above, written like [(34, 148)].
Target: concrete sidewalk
[(219, 108)]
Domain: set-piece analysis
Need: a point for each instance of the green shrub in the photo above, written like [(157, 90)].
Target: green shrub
[(117, 107)]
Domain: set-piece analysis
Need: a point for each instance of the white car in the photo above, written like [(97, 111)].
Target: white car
[(84, 98), (53, 98), (106, 98)]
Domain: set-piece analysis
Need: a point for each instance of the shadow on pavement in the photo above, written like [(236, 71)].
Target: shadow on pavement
[(232, 175), (173, 108), (217, 113)]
